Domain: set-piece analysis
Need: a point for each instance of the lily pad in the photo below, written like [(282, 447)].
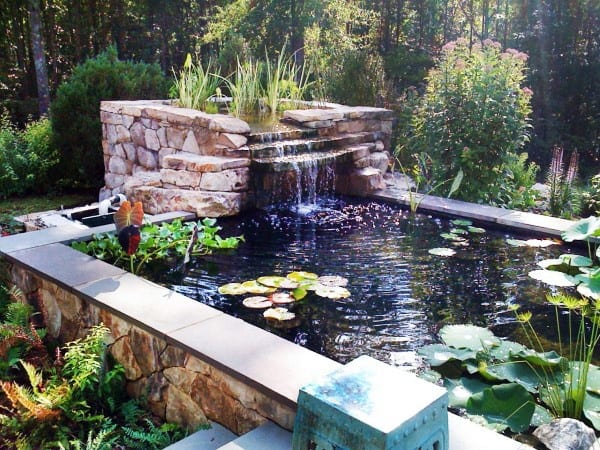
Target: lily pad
[(553, 278), (582, 229), (541, 416), (333, 280), (254, 287), (476, 230), (459, 231), (506, 350), (278, 314), (514, 371), (590, 286), (546, 359), (440, 251), (534, 243), (300, 276), (452, 237), (576, 260), (278, 282), (591, 409), (461, 222), (232, 289), (299, 293), (459, 391), (257, 302), (505, 405), (281, 297), (332, 292), (309, 285), (438, 354), (468, 336)]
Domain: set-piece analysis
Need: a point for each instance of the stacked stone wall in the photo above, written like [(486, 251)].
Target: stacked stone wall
[(178, 159), (178, 386)]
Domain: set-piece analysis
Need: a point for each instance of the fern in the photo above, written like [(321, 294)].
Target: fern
[(153, 437)]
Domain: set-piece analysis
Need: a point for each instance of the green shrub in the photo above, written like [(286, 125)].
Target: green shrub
[(75, 113), (473, 117), (26, 157), (590, 198)]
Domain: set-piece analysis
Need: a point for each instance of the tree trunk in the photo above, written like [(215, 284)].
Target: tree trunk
[(39, 57)]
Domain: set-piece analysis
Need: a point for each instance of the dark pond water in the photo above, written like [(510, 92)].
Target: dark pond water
[(401, 294)]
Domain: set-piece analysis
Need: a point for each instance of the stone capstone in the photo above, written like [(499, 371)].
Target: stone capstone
[(180, 178), (201, 163), (312, 115)]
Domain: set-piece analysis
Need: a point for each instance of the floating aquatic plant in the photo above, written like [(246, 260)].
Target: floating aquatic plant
[(257, 302), (279, 314), (442, 251)]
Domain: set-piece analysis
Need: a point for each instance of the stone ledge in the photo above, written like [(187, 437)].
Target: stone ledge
[(199, 163)]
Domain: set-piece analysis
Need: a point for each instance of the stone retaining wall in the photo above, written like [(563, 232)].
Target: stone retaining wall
[(179, 387), (178, 159)]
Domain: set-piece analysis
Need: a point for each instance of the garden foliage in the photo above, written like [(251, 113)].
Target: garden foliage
[(26, 158), (474, 117), (75, 111), (74, 400)]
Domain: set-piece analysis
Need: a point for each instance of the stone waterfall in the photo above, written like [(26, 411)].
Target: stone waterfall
[(177, 159)]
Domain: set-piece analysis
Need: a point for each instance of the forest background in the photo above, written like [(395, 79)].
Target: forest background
[(370, 52)]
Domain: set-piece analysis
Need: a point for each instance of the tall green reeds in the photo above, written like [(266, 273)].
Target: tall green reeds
[(246, 89), (195, 85)]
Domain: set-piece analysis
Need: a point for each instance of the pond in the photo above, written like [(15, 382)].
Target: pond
[(400, 293)]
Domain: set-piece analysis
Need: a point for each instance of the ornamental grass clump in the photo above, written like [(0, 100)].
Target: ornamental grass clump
[(195, 84)]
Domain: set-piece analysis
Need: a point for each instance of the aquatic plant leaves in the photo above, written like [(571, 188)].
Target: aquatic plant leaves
[(277, 282), (281, 298), (254, 287), (505, 406), (553, 278), (438, 354), (540, 416), (332, 292), (545, 359), (459, 231), (333, 280), (590, 285), (232, 289), (506, 350), (301, 276), (519, 372), (257, 302), (440, 251), (576, 260), (582, 229), (278, 314), (476, 230), (461, 222), (299, 293), (468, 336), (459, 391), (591, 409), (452, 237), (128, 215), (534, 243)]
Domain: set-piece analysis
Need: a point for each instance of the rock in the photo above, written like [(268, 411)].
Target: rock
[(180, 178), (183, 410), (190, 145), (147, 158), (312, 115), (137, 134), (566, 434), (228, 124), (119, 166), (151, 138), (231, 140), (175, 137), (380, 160), (226, 181)]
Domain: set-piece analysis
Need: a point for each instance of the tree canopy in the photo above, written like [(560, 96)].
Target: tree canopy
[(401, 39)]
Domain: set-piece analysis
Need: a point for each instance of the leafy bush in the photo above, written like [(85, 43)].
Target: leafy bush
[(590, 198), (26, 157), (473, 117), (75, 113)]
